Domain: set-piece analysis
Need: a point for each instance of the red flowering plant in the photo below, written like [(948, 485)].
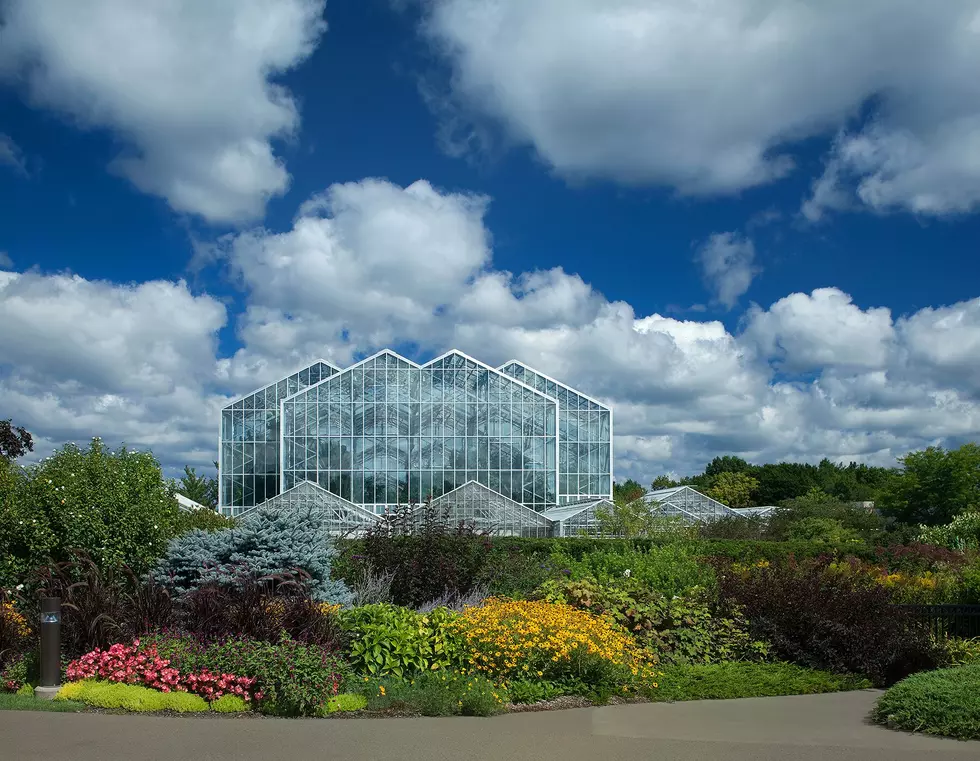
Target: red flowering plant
[(139, 663)]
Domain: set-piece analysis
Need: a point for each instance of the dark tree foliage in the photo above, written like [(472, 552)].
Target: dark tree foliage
[(824, 619), (663, 482), (727, 464), (15, 441)]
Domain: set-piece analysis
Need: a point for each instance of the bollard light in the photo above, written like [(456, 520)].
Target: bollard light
[(50, 648)]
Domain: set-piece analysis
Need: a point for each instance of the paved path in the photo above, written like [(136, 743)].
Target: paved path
[(802, 728)]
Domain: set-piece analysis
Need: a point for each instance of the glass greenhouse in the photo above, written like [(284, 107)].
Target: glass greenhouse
[(386, 432)]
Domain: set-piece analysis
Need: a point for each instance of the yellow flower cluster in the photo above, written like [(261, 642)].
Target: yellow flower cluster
[(9, 612), (511, 639)]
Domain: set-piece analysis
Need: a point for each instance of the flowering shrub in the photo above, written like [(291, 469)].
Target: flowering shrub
[(295, 678), (684, 628), (514, 639), (143, 665), (906, 587)]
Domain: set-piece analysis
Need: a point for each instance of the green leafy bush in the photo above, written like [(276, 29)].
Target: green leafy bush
[(295, 679), (386, 639), (267, 542), (721, 681), (436, 693), (346, 701), (944, 702), (115, 506), (669, 570), (130, 697), (229, 704), (682, 628)]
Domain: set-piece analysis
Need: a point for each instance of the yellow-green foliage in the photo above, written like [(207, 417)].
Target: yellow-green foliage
[(345, 702), (229, 704), (130, 697)]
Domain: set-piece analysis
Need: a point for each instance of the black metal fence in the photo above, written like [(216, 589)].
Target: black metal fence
[(948, 620)]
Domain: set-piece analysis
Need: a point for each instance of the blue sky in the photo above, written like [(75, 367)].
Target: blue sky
[(742, 242)]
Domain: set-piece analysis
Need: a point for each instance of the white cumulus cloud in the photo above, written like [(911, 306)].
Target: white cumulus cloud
[(710, 97), (188, 87)]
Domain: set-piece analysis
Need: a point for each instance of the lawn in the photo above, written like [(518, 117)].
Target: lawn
[(11, 702)]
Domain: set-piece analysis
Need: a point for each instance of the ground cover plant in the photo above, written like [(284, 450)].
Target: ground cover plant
[(722, 681), (944, 702), (130, 697), (436, 693)]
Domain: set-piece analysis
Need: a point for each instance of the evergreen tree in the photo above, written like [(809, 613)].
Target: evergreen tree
[(268, 541)]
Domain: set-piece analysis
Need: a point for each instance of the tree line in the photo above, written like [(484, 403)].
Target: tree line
[(930, 486)]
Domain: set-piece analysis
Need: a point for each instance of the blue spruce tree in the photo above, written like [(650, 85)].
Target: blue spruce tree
[(267, 541)]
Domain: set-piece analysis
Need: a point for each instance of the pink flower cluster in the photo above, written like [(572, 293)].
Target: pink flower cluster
[(132, 664)]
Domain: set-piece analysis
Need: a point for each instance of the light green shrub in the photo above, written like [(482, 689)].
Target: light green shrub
[(114, 505), (130, 697), (229, 704)]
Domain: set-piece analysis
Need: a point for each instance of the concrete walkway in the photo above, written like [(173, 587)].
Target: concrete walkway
[(807, 728)]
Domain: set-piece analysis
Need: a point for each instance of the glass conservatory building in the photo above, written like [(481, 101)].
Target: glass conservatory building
[(386, 432)]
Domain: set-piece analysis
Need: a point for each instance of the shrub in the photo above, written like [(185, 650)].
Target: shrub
[(682, 628), (260, 609), (554, 642), (203, 520), (268, 542), (670, 570), (345, 702), (722, 681), (21, 670), (15, 634), (963, 532), (115, 506), (426, 557), (389, 640), (142, 664), (291, 678), (944, 702), (437, 693), (130, 697), (229, 704), (816, 617)]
